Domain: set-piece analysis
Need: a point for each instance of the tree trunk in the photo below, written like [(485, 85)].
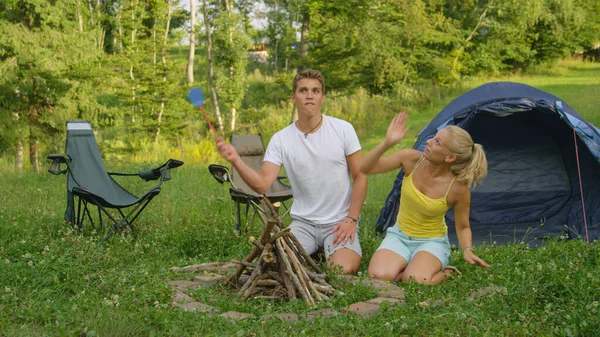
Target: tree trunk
[(233, 113), (190, 67), (276, 56), (79, 17), (210, 67), (33, 156), (120, 32), (19, 157), (164, 79), (229, 7), (100, 29), (304, 34), (480, 22), (132, 49)]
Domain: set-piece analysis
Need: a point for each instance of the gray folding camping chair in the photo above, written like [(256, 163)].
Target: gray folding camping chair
[(252, 150), (88, 181)]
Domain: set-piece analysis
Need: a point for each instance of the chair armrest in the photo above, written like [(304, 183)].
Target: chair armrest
[(282, 178), (57, 161), (220, 173), (161, 172)]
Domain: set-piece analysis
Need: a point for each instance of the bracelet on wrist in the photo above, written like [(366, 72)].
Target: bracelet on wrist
[(352, 219), (468, 248)]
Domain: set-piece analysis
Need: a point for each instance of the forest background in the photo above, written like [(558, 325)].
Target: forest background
[(126, 65)]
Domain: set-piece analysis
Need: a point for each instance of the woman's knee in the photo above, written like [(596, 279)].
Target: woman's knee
[(380, 274), (416, 277)]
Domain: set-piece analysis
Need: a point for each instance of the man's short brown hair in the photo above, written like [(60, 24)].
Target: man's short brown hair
[(308, 73)]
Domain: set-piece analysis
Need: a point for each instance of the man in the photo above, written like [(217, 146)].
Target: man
[(320, 155)]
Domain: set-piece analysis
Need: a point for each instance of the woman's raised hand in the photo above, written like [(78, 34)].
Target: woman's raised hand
[(397, 129)]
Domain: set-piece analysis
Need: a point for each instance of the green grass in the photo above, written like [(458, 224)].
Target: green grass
[(55, 281)]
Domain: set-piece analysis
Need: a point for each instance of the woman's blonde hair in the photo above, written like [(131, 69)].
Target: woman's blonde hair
[(471, 163)]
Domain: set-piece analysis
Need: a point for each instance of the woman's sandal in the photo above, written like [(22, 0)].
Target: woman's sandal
[(453, 269)]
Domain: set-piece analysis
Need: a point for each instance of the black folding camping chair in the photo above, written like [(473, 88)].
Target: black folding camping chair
[(91, 184), (252, 150)]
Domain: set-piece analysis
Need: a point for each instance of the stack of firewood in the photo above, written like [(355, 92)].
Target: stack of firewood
[(282, 270)]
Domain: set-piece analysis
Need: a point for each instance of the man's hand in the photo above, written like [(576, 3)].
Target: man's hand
[(346, 230), (227, 150)]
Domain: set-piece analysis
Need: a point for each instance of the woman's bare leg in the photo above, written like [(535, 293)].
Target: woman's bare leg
[(386, 265), (425, 268)]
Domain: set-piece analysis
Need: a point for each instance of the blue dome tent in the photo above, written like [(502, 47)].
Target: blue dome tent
[(543, 166)]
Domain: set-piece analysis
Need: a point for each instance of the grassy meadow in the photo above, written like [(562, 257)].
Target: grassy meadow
[(56, 281)]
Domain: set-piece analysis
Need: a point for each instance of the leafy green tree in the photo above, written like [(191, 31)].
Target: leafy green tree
[(383, 45), (146, 79), (44, 52), (588, 38), (231, 45)]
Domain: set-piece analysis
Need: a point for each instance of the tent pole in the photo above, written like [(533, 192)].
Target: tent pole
[(587, 238)]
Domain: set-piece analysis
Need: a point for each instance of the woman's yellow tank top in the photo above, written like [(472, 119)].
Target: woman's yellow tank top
[(421, 216)]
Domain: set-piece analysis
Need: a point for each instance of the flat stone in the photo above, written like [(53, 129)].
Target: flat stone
[(488, 291), (348, 278), (208, 280), (183, 285), (227, 268), (319, 314), (197, 307), (236, 315), (180, 297), (377, 284), (203, 266), (434, 304), (392, 292), (362, 308), (390, 301), (283, 317)]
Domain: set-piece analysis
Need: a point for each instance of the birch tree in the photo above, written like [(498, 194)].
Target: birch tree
[(192, 51)]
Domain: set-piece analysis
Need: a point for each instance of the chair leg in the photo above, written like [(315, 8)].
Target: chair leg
[(100, 217), (79, 216), (86, 212), (237, 216), (125, 221)]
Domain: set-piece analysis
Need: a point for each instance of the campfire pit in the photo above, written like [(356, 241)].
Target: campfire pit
[(282, 269)]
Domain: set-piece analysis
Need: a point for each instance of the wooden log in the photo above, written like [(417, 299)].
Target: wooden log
[(269, 258), (318, 278), (322, 296), (268, 297), (247, 264), (304, 294), (287, 281), (255, 274), (268, 283), (232, 280), (276, 276), (256, 243), (251, 287), (299, 271), (278, 234), (326, 289), (243, 279), (304, 254)]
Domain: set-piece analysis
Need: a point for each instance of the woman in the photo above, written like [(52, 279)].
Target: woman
[(436, 179)]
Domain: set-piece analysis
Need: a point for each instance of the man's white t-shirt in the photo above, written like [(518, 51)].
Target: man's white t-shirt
[(317, 168)]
